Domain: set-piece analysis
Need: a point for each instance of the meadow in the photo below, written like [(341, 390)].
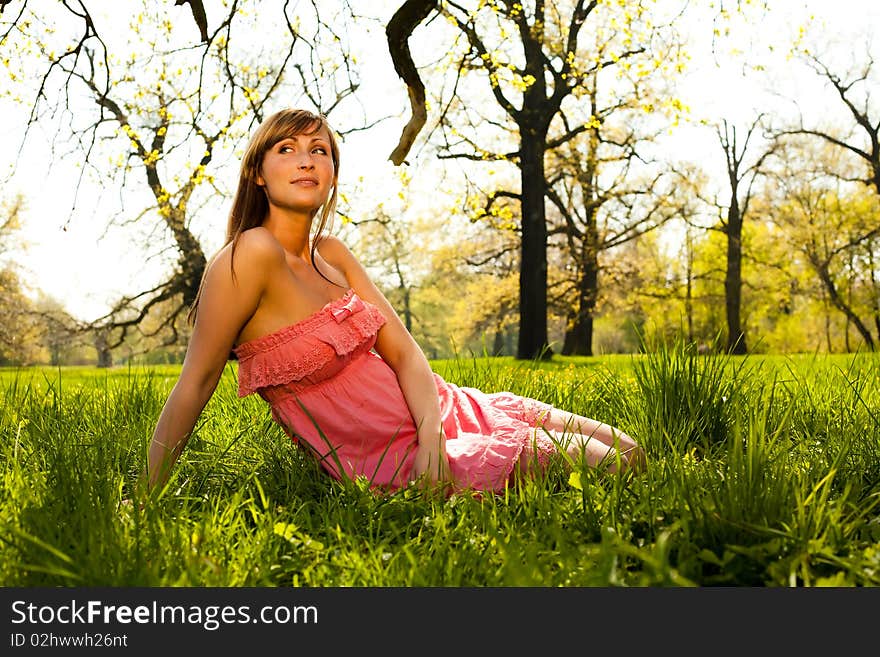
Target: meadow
[(763, 471)]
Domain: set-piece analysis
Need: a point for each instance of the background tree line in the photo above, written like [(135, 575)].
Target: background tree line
[(568, 225)]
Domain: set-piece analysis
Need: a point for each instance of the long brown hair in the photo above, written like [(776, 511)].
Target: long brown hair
[(250, 205)]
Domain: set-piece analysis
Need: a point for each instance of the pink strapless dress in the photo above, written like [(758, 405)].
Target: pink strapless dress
[(332, 394)]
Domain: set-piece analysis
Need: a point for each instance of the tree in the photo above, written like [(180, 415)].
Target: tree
[(743, 169), (488, 308), (861, 138), (157, 115), (835, 227), (534, 63), (743, 166), (605, 190), (16, 326), (659, 273), (385, 243), (58, 337), (847, 252), (471, 291), (79, 10)]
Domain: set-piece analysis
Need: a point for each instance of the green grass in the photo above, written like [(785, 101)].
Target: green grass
[(763, 471)]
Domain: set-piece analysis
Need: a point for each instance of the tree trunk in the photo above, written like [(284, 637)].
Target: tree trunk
[(192, 261), (568, 341), (533, 266), (580, 342), (827, 313), (510, 338), (498, 341), (840, 304), (736, 339), (848, 303), (407, 309), (875, 289), (105, 356), (689, 287)]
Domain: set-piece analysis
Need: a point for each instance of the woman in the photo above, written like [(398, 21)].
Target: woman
[(321, 344)]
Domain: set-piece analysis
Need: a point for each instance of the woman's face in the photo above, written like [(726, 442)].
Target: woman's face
[(297, 172)]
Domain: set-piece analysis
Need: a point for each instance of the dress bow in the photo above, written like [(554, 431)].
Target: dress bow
[(354, 305)]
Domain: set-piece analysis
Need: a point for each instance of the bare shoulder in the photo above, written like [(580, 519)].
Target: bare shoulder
[(260, 244), (335, 252), (228, 301), (256, 249)]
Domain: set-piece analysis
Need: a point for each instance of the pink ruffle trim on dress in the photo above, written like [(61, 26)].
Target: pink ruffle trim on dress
[(343, 324), (534, 440), (492, 434), (528, 410)]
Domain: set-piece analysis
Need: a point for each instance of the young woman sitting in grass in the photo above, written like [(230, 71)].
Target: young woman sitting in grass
[(319, 342)]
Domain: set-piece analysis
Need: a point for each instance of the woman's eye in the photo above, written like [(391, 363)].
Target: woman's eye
[(284, 148), (319, 149)]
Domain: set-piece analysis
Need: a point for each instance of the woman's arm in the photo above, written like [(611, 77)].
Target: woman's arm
[(178, 417), (403, 354), (224, 307), (420, 391)]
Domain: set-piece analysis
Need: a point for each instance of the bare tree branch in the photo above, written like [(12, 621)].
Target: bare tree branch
[(402, 24), (198, 12)]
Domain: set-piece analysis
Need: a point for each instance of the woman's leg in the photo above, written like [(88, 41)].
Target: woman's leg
[(536, 456), (594, 440)]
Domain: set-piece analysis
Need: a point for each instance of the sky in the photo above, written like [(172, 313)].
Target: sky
[(86, 270)]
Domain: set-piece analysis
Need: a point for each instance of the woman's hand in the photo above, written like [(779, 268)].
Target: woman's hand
[(431, 466), (140, 495)]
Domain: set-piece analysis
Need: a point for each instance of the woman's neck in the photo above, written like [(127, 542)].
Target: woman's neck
[(291, 230)]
